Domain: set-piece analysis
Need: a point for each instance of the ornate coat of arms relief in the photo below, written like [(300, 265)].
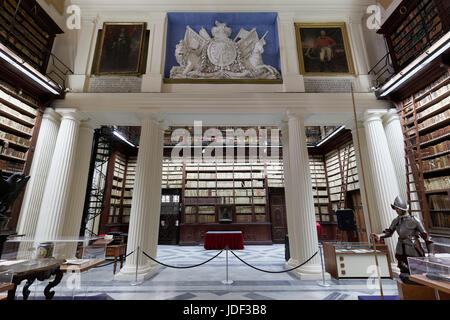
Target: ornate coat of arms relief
[(219, 57)]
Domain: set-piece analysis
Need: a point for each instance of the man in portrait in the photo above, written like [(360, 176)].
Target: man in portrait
[(324, 44)]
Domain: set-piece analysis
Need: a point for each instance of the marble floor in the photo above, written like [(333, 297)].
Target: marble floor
[(205, 282)]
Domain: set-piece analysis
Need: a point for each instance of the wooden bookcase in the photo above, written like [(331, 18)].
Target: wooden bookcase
[(320, 188), (28, 31), (17, 122), (172, 175), (414, 27), (207, 186), (425, 119), (342, 173)]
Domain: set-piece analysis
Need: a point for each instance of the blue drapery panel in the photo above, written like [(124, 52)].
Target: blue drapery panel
[(262, 21)]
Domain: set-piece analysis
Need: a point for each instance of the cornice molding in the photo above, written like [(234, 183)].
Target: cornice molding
[(219, 103), (306, 6)]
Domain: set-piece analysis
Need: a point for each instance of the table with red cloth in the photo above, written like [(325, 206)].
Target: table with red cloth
[(218, 240)]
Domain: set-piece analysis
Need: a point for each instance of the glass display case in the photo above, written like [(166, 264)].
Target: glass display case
[(61, 265), (356, 259), (435, 266)]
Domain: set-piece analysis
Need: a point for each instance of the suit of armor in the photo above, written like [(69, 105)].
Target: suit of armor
[(409, 229)]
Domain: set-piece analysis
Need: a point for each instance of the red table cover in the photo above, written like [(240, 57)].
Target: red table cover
[(219, 240)]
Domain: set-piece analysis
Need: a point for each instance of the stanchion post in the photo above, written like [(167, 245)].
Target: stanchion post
[(136, 282), (227, 281), (323, 283)]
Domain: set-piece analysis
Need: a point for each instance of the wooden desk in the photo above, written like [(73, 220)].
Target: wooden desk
[(438, 286), (116, 251), (92, 263), (40, 269)]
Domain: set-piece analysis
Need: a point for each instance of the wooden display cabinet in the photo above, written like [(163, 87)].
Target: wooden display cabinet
[(353, 260)]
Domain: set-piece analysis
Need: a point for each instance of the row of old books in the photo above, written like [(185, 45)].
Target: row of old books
[(433, 85), (438, 183), (16, 114), (439, 202), (436, 163), (435, 119), (10, 166), (13, 153), (436, 149), (440, 219), (18, 105), (9, 137), (435, 134), (16, 126)]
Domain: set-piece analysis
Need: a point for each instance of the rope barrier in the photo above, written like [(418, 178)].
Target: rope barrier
[(268, 271), (110, 263), (183, 267)]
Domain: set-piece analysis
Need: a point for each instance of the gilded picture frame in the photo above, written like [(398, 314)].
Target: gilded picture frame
[(324, 49), (121, 49), (225, 213)]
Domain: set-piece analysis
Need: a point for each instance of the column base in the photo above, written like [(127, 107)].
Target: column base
[(128, 272), (307, 272)]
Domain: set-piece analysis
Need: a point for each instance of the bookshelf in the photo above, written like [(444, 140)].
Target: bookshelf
[(425, 120), (17, 123), (128, 190), (414, 27), (320, 188), (31, 31), (207, 186), (172, 175), (118, 187), (342, 174)]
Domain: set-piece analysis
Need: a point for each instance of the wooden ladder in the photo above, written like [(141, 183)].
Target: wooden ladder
[(413, 160), (342, 235)]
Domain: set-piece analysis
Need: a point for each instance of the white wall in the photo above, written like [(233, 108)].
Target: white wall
[(76, 47)]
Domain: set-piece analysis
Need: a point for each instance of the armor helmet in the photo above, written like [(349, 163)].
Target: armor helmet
[(399, 203)]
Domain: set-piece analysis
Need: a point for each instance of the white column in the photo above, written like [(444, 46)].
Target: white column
[(383, 173), (81, 44), (34, 192), (363, 160), (288, 194), (146, 203), (57, 189), (152, 79), (293, 81), (74, 213), (303, 221), (361, 60), (396, 144)]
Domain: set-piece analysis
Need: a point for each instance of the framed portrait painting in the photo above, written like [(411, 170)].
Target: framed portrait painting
[(225, 213), (324, 49), (121, 49)]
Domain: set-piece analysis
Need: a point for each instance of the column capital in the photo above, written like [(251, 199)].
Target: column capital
[(89, 124), (390, 116), (51, 114), (71, 114), (293, 115), (373, 115), (154, 118)]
